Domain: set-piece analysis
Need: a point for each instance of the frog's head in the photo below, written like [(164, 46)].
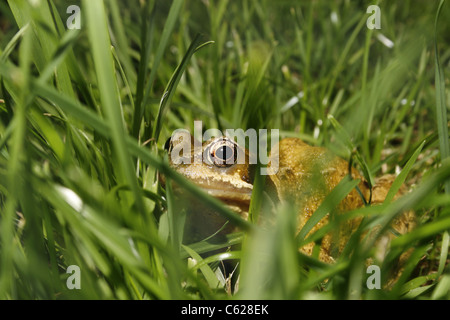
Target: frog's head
[(219, 166)]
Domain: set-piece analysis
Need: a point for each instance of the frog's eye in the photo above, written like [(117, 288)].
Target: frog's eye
[(223, 153)]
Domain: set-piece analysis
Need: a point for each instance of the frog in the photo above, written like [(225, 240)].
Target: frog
[(304, 176)]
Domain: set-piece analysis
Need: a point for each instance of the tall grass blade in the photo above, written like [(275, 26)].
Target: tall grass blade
[(441, 110), (111, 106), (172, 85), (398, 182), (331, 201), (167, 31)]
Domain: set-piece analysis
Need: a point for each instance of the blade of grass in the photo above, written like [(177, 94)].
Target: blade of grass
[(331, 201), (204, 247), (103, 231), (345, 138), (72, 62), (146, 46), (176, 223), (122, 46), (12, 44), (174, 80), (63, 48), (400, 179), (269, 260), (208, 273), (16, 167), (444, 253), (111, 106), (424, 231), (44, 38), (167, 31), (442, 289), (408, 202), (441, 110)]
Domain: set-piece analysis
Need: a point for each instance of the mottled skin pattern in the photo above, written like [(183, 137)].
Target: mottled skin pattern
[(306, 175)]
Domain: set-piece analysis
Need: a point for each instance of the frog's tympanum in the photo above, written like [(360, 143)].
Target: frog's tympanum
[(305, 175)]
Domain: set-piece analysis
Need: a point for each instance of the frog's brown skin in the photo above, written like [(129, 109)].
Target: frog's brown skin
[(308, 174), (305, 176)]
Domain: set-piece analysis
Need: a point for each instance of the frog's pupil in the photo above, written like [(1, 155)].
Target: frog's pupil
[(224, 153)]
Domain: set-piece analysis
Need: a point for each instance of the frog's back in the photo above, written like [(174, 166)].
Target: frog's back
[(306, 175)]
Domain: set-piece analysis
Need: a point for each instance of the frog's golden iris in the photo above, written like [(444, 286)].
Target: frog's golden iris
[(222, 152)]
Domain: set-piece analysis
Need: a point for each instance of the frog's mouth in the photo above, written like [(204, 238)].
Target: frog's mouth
[(238, 200), (227, 193), (223, 191)]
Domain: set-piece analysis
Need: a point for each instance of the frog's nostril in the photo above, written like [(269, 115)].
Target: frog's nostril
[(168, 144)]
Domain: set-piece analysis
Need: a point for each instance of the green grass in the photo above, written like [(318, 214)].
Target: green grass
[(84, 115)]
